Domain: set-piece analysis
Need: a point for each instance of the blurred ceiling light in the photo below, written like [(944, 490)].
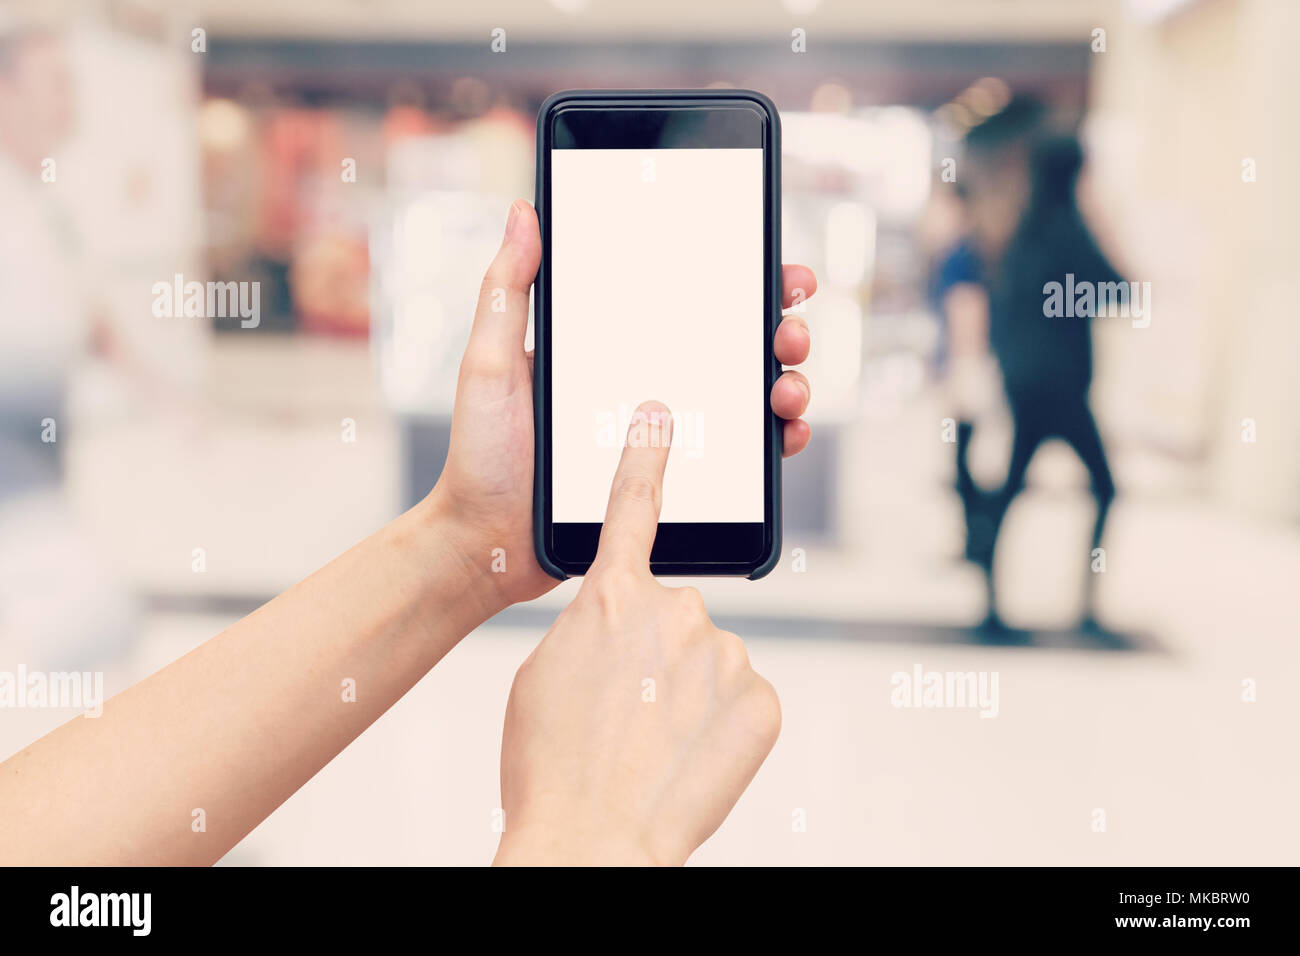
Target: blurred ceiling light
[(800, 7), (569, 6), (980, 101), (995, 88), (976, 103), (1154, 9), (223, 125), (831, 98), (957, 116)]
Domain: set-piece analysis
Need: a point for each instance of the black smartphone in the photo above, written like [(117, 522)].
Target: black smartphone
[(660, 279)]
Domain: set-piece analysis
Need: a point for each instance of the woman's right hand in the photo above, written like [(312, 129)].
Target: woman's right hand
[(635, 725)]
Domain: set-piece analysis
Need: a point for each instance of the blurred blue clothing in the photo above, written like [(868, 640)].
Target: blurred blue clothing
[(959, 265)]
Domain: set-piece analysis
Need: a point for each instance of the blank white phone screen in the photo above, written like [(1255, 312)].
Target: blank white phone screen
[(657, 293)]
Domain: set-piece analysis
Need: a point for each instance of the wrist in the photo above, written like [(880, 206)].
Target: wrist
[(556, 846), (456, 559)]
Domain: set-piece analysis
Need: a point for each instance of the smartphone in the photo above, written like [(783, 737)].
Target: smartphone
[(660, 279)]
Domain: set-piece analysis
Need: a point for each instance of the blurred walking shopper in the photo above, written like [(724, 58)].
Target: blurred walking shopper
[(1046, 361)]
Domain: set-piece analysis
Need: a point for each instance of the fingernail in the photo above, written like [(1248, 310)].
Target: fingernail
[(651, 427), (513, 218)]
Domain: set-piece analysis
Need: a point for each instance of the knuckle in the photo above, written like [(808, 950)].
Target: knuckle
[(636, 488), (523, 688), (611, 589), (731, 651), (763, 707), (691, 601)]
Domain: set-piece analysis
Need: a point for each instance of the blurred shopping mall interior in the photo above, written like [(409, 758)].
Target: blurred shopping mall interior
[(357, 159)]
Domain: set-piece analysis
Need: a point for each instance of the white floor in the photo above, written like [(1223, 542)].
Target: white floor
[(1159, 740)]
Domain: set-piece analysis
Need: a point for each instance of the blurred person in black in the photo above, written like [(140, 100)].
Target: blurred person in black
[(1046, 362)]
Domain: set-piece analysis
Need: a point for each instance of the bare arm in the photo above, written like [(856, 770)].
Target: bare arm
[(237, 725)]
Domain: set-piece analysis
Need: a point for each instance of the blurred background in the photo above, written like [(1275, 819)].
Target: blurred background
[(161, 475)]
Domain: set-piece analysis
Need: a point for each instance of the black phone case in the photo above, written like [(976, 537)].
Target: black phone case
[(541, 358)]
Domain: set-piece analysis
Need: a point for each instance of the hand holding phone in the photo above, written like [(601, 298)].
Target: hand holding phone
[(486, 487), (635, 725)]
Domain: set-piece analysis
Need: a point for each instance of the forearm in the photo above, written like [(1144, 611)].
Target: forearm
[(239, 724)]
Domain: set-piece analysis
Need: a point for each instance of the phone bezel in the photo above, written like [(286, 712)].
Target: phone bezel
[(718, 544)]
